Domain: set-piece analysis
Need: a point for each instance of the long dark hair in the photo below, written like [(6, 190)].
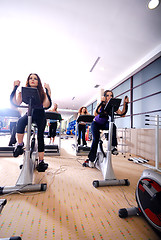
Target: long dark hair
[(80, 110), (39, 87), (108, 91)]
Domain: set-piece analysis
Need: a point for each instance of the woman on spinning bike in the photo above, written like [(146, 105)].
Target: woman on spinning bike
[(101, 122), (82, 126), (38, 117)]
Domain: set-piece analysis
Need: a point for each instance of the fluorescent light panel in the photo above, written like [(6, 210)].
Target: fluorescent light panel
[(95, 64)]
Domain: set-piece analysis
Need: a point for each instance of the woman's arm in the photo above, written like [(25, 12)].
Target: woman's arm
[(16, 99), (88, 113), (47, 100), (124, 109), (99, 106)]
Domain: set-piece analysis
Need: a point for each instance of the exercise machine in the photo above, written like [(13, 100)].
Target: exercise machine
[(7, 151), (82, 150), (103, 161), (138, 160), (154, 120), (52, 150), (151, 120), (2, 204), (12, 238), (148, 198), (30, 96)]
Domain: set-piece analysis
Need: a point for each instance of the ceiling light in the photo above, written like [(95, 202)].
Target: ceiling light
[(95, 64), (96, 86), (153, 4)]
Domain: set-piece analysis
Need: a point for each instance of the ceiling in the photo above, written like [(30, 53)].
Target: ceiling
[(75, 45)]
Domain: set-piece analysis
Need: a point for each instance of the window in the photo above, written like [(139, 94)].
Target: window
[(144, 92)]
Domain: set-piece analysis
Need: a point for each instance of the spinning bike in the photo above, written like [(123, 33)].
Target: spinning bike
[(103, 161), (82, 150), (24, 183), (7, 151), (2, 204), (54, 150), (148, 198)]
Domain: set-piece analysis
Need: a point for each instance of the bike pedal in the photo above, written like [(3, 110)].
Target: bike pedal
[(21, 166), (41, 170)]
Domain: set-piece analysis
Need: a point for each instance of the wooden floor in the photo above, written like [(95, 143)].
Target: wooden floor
[(71, 208)]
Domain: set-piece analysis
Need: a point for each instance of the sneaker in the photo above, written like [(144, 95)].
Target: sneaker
[(114, 151), (18, 150), (91, 164), (42, 166), (12, 142), (88, 163)]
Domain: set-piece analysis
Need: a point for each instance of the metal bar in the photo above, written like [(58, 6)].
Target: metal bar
[(157, 143)]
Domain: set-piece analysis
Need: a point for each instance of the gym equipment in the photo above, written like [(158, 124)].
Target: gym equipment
[(12, 238), (24, 183), (154, 121), (151, 121), (71, 128), (138, 160), (103, 161), (2, 204), (51, 150), (8, 113), (82, 150), (124, 136), (148, 198)]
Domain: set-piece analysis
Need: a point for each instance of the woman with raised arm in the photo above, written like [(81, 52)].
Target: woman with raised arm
[(38, 117), (101, 122), (82, 126)]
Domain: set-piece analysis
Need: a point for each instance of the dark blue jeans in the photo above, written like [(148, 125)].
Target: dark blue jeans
[(95, 127)]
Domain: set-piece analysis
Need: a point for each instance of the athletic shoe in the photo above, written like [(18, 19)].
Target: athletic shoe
[(18, 150), (114, 151), (88, 163), (12, 142), (91, 164), (42, 166)]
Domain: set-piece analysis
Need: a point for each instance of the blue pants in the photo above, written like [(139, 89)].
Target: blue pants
[(95, 127)]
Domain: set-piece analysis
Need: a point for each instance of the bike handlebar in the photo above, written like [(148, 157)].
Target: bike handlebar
[(21, 106)]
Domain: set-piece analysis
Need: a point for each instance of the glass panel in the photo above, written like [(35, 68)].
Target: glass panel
[(123, 122), (150, 71), (139, 120), (89, 109), (94, 106), (148, 88), (147, 104), (122, 88)]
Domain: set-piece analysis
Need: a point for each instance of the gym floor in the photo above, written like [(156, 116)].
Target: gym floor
[(71, 208)]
